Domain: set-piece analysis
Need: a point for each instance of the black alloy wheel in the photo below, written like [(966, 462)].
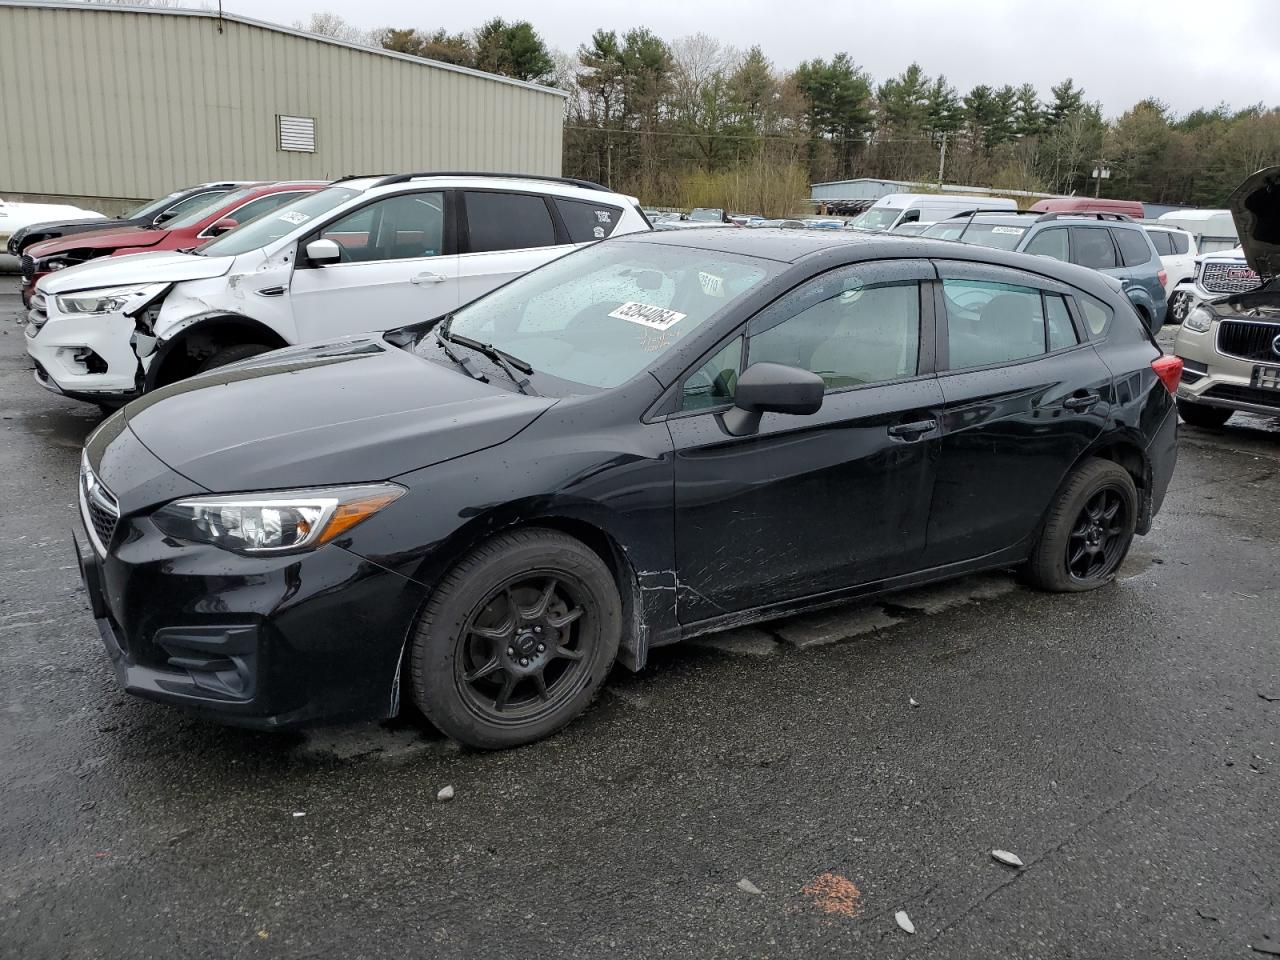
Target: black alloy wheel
[(525, 648), (1096, 544), (516, 640), (1087, 531)]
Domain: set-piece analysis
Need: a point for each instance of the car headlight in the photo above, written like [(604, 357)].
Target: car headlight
[(107, 299), (1198, 320), (277, 522)]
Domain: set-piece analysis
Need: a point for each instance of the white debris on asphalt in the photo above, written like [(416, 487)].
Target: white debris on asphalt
[(746, 886), (299, 813), (445, 794), (913, 701), (904, 921), (1007, 858)]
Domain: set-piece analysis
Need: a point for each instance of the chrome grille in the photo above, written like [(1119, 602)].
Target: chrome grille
[(1249, 341), (27, 265), (99, 507), (1226, 277)]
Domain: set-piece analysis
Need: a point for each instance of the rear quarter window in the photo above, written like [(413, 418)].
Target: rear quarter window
[(587, 221), (1134, 248), (1097, 315)]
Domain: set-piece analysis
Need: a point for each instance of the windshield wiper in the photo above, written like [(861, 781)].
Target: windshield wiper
[(463, 362), (509, 364)]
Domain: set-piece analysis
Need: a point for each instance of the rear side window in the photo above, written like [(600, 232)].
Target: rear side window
[(1061, 332), (1162, 241), (587, 221), (1134, 249), (1181, 242), (508, 221), (1050, 243), (990, 322), (1092, 247)]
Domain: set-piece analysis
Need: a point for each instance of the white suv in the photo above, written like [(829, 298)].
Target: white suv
[(366, 253)]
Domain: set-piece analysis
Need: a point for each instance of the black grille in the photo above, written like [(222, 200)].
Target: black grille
[(101, 510), (27, 265), (1255, 395), (1227, 277), (1249, 341)]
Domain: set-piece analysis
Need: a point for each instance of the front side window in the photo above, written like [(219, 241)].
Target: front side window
[(1050, 243), (713, 383), (847, 332), (1092, 247), (1134, 249), (990, 322), (508, 221), (587, 221), (603, 314), (283, 220), (408, 226)]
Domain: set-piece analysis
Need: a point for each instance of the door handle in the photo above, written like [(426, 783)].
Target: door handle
[(913, 431), (422, 278), (1081, 402)]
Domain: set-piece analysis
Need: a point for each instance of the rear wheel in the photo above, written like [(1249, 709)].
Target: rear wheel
[(1088, 531), (1202, 415), (233, 354), (516, 640)]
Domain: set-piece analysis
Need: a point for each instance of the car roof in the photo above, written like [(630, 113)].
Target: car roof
[(558, 186)]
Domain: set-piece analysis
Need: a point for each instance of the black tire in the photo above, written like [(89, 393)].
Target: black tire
[(1203, 415), (232, 354), (458, 675), (1077, 550)]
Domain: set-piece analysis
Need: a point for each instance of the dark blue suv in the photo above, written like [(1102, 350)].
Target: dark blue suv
[(1108, 243)]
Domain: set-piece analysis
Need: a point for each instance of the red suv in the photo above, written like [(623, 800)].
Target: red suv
[(193, 228)]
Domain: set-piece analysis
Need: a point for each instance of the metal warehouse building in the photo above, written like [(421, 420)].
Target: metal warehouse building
[(106, 106)]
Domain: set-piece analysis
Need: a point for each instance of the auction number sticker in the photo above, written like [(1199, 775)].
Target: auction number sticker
[(657, 318), (294, 217), (1015, 231)]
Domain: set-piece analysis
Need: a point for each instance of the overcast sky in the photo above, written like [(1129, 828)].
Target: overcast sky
[(1189, 53)]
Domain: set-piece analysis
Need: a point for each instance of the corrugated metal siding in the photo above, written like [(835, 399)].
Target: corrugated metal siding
[(137, 104)]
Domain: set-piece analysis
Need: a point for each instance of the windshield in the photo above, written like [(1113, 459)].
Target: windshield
[(194, 216), (152, 207), (877, 218), (269, 227), (600, 316), (1001, 236)]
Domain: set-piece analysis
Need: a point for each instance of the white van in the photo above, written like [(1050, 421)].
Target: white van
[(896, 208)]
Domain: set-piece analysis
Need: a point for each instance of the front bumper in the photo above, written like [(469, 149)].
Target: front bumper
[(87, 357), (258, 642), (1215, 379)]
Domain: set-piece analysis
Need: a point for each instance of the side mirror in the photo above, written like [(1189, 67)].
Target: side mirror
[(222, 226), (323, 252), (772, 388)]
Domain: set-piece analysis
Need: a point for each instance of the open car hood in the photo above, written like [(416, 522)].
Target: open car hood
[(1255, 207)]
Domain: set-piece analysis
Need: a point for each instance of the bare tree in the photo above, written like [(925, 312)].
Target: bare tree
[(325, 23)]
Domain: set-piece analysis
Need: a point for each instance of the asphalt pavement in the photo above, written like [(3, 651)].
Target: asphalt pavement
[(846, 766)]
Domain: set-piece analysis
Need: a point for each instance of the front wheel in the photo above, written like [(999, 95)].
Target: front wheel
[(516, 640), (1203, 415), (1179, 307), (1088, 530), (233, 354)]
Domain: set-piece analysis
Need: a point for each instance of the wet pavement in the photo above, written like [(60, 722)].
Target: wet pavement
[(849, 765)]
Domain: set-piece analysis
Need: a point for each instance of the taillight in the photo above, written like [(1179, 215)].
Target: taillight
[(1164, 278), (1169, 370)]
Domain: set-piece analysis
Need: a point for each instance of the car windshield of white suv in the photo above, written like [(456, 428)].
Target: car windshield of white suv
[(1000, 236), (877, 218), (600, 316), (269, 227)]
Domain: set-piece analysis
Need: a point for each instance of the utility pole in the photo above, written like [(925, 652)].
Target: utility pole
[(1100, 172), (942, 160)]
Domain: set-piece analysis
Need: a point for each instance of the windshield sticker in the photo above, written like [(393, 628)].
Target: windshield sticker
[(1014, 231), (294, 217), (646, 315), (712, 285)]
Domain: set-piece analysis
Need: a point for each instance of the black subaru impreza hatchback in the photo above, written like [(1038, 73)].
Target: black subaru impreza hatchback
[(655, 437)]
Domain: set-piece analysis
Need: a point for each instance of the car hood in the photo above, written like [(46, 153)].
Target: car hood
[(159, 267), (347, 411), (1255, 207), (113, 238)]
